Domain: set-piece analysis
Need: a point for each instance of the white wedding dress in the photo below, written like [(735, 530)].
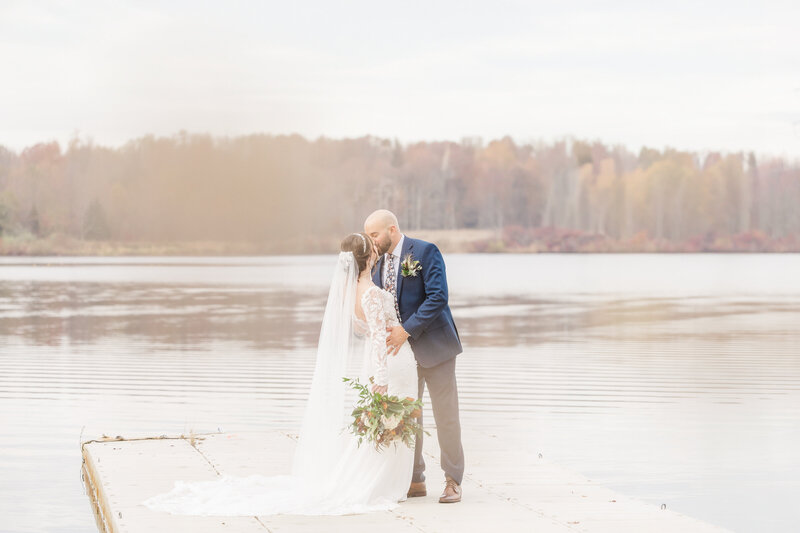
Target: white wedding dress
[(331, 474)]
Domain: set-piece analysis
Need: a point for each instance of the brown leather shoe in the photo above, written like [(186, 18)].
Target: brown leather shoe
[(417, 489), (452, 492)]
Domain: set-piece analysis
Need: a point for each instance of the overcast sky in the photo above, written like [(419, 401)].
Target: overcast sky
[(721, 76)]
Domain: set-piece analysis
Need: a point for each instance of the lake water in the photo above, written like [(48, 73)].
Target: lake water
[(671, 378)]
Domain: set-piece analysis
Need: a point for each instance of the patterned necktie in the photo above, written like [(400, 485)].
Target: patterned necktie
[(391, 282)]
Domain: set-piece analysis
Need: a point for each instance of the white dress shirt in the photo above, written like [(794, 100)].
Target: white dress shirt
[(397, 251)]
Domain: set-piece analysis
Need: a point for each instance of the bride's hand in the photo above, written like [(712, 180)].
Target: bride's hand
[(380, 389), (397, 336)]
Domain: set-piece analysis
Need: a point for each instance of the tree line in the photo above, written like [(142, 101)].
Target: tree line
[(294, 194)]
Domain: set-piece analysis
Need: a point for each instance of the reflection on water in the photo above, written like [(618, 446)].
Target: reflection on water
[(685, 393), (50, 313)]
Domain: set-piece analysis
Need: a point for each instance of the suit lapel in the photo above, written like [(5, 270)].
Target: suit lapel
[(407, 246), (377, 278)]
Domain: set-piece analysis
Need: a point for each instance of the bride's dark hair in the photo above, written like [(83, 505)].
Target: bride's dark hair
[(361, 246)]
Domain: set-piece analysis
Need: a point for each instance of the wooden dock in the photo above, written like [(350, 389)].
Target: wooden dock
[(504, 490)]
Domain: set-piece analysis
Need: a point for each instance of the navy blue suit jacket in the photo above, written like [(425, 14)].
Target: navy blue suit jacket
[(423, 304)]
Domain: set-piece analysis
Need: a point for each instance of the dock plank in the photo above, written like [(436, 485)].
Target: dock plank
[(130, 471), (505, 487)]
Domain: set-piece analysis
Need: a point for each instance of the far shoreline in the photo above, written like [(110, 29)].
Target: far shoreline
[(510, 240)]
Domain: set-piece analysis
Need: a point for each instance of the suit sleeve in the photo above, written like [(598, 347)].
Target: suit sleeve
[(435, 282)]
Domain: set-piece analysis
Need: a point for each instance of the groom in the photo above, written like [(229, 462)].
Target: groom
[(413, 271)]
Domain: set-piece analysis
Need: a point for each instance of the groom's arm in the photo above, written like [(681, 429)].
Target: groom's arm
[(435, 282)]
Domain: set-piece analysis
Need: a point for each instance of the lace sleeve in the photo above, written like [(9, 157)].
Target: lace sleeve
[(376, 319)]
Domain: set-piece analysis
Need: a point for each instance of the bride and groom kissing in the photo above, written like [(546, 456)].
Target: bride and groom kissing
[(387, 314)]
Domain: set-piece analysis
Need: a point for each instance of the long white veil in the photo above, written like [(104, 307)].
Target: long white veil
[(320, 456), (339, 353)]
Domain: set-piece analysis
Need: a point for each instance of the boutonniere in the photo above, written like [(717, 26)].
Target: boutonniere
[(410, 267)]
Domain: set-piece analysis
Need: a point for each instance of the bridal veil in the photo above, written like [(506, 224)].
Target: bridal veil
[(340, 353)]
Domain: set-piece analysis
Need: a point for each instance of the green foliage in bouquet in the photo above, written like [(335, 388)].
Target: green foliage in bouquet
[(383, 420)]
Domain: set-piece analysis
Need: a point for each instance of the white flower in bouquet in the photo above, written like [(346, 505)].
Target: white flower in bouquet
[(390, 422)]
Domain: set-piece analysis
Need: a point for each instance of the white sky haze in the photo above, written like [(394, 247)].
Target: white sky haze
[(721, 76)]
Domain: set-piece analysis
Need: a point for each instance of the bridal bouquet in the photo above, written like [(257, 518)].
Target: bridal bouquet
[(383, 420)]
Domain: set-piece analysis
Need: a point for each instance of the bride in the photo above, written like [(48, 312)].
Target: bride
[(331, 474)]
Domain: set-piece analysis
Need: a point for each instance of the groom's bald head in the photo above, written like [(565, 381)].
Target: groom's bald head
[(381, 219), (384, 229)]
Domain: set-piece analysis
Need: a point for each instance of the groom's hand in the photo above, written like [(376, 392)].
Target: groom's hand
[(397, 336)]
